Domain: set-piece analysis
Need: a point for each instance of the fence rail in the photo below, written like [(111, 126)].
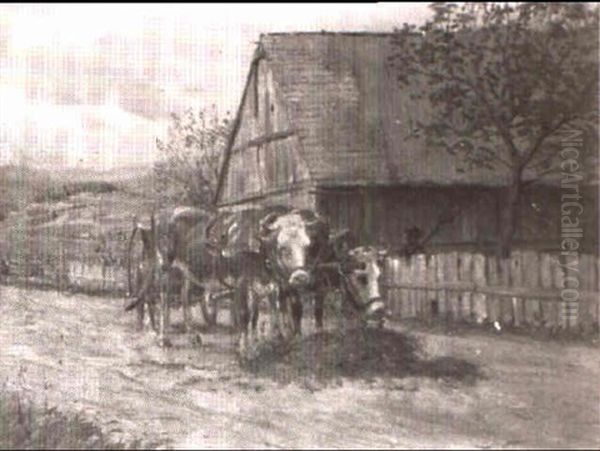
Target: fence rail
[(528, 288)]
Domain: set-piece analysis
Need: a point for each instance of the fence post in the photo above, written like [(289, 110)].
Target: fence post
[(597, 289), (587, 306), (493, 301), (391, 273), (432, 303), (516, 279), (442, 295), (549, 307), (506, 307), (420, 279), (404, 279), (451, 265), (479, 299), (465, 275), (531, 276), (559, 281)]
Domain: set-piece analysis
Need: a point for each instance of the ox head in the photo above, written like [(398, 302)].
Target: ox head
[(361, 271), (287, 238)]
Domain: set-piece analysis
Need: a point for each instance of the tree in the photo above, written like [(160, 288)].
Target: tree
[(503, 82), (188, 170)]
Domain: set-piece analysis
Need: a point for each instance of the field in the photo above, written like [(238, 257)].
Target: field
[(79, 363), (56, 219)]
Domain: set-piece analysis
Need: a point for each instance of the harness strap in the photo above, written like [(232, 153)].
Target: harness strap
[(185, 270), (350, 290)]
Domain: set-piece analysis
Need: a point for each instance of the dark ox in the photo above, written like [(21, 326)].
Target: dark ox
[(157, 277), (196, 250)]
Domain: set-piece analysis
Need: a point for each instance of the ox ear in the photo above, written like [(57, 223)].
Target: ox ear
[(266, 227), (339, 240), (381, 254), (339, 236)]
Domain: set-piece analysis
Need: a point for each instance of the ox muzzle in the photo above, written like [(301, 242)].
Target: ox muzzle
[(299, 278)]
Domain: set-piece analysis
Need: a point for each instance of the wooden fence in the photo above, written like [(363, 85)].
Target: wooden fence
[(528, 289), (68, 264)]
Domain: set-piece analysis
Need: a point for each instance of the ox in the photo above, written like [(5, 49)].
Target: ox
[(195, 248), (330, 264), (156, 276), (302, 258), (356, 274)]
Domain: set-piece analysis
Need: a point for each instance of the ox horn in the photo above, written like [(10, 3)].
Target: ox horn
[(266, 224), (313, 222), (210, 226)]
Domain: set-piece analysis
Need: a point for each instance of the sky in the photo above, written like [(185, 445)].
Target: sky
[(94, 84)]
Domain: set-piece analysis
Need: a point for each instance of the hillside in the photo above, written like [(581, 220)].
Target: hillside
[(54, 219)]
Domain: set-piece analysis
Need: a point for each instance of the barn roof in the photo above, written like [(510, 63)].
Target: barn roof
[(356, 123)]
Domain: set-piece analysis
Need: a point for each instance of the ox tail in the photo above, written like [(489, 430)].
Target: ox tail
[(133, 304), (148, 278)]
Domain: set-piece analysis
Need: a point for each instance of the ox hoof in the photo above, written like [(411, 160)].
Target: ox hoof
[(164, 342), (196, 340)]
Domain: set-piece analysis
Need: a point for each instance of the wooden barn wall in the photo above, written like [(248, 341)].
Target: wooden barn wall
[(297, 198), (265, 156), (380, 215)]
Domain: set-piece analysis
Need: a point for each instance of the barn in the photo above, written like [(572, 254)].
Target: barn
[(323, 124)]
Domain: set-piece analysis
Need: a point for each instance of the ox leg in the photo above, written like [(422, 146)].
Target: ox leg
[(185, 302), (140, 306), (254, 304), (275, 324), (284, 311), (151, 304), (163, 341), (241, 301), (319, 311), (235, 313), (297, 309), (140, 315)]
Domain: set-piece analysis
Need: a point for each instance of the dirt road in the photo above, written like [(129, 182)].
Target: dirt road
[(82, 354)]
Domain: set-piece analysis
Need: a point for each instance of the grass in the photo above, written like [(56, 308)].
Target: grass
[(62, 191), (24, 425)]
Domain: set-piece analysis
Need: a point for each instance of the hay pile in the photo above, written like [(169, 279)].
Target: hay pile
[(358, 353)]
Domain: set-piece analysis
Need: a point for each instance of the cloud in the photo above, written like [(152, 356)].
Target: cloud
[(120, 69)]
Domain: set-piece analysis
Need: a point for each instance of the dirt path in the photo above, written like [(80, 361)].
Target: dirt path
[(82, 354)]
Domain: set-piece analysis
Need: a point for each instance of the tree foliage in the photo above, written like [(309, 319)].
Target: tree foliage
[(503, 82), (187, 172)]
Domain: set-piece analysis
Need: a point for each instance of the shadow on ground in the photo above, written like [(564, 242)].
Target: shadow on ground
[(219, 328), (358, 353)]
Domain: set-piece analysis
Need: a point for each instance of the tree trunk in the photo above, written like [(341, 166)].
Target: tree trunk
[(510, 214)]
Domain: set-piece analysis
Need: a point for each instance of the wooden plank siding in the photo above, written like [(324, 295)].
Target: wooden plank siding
[(264, 157)]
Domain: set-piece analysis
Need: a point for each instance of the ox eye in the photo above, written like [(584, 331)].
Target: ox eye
[(362, 279)]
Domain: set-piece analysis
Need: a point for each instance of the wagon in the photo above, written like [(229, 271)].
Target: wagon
[(210, 300)]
